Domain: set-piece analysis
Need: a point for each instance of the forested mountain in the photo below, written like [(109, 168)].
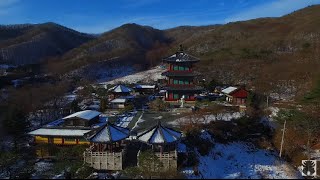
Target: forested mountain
[(33, 43), (271, 55)]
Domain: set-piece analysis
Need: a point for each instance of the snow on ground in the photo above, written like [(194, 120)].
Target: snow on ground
[(41, 167), (140, 120), (208, 118), (125, 121), (113, 73), (240, 160), (270, 120), (274, 111), (147, 76), (70, 97), (5, 66)]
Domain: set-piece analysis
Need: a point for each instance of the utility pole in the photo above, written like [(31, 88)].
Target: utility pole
[(308, 143), (282, 139)]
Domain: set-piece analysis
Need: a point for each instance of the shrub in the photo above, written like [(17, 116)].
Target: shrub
[(193, 139), (159, 105)]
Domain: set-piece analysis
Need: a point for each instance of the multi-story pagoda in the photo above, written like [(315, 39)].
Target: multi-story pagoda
[(180, 77)]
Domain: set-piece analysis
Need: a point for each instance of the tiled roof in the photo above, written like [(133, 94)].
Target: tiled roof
[(87, 115), (108, 133), (181, 57), (121, 89), (58, 132), (160, 135), (228, 90)]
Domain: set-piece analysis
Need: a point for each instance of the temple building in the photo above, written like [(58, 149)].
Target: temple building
[(180, 77), (163, 141), (68, 130), (107, 148), (235, 95), (119, 91)]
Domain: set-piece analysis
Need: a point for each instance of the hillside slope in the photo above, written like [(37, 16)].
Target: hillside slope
[(272, 55), (277, 56), (33, 43), (129, 44)]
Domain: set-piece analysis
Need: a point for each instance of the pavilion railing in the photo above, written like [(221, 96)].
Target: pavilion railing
[(104, 160)]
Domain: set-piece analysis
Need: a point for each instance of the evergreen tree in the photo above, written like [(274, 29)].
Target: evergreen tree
[(15, 123), (74, 106)]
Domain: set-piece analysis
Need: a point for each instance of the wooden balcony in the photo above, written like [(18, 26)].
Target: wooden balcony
[(104, 160), (168, 159)]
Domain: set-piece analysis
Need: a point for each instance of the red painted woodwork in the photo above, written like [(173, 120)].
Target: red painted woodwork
[(170, 96), (241, 93)]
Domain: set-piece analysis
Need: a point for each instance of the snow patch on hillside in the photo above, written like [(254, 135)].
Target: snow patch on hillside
[(241, 160), (148, 76), (208, 118), (270, 119)]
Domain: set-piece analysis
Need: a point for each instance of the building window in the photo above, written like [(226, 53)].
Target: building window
[(82, 140), (181, 82), (181, 68), (175, 81), (186, 68), (175, 96), (186, 82), (175, 68)]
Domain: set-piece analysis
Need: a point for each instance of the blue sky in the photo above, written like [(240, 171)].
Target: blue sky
[(97, 16)]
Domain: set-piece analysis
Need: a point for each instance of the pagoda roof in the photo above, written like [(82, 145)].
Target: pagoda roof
[(181, 57), (177, 73), (183, 88), (120, 89), (144, 86), (107, 134), (159, 135)]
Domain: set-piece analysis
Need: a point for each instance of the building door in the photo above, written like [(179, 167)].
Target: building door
[(50, 140), (170, 95)]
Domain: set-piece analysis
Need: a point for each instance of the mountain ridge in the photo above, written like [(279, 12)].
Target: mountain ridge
[(32, 43), (271, 55)]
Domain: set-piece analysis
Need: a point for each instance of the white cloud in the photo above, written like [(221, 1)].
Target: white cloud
[(274, 8)]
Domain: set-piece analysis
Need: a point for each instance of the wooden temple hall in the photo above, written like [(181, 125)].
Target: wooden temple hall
[(107, 143), (180, 77), (107, 150), (68, 130), (163, 142)]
